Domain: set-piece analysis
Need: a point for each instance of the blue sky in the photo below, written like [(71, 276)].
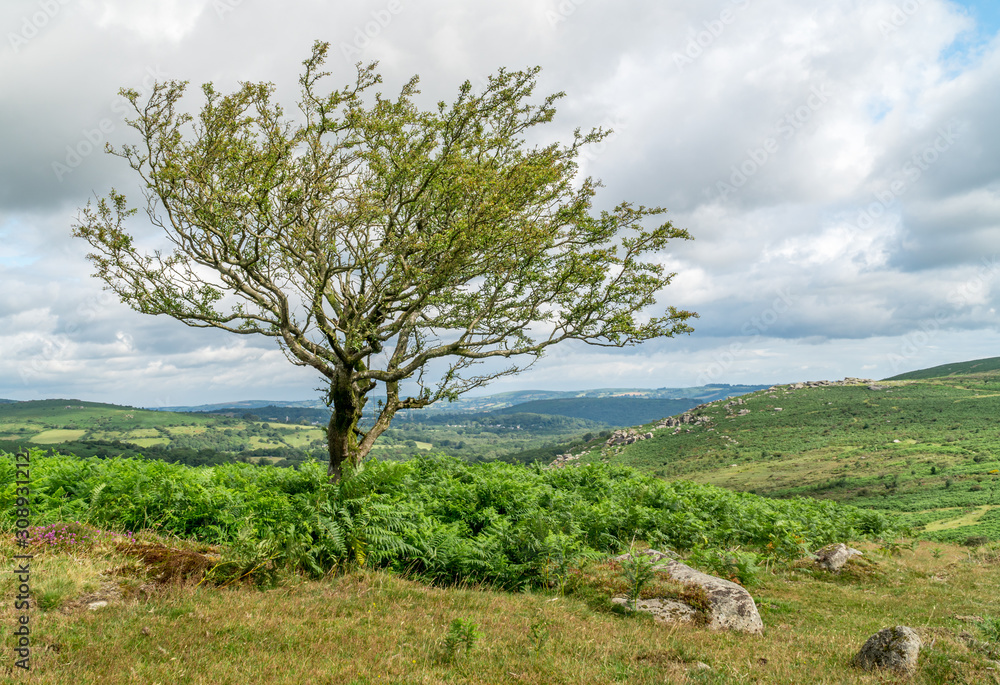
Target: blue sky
[(837, 162)]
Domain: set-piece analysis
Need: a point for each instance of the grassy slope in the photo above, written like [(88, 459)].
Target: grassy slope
[(929, 448), (371, 627), (977, 366)]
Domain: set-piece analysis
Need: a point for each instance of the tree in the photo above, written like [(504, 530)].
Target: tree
[(378, 242)]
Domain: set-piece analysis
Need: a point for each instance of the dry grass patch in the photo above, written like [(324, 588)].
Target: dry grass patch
[(373, 627)]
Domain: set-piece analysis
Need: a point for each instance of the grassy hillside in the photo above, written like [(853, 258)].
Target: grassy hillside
[(412, 559), (613, 411), (929, 449), (978, 366)]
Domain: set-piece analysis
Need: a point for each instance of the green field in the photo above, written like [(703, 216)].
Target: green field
[(56, 436)]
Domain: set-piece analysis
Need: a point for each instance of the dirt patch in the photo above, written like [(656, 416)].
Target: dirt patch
[(109, 592), (165, 565)]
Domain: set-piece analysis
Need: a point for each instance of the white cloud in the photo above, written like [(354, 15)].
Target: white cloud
[(792, 139)]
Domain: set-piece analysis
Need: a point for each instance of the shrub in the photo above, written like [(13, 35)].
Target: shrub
[(433, 517)]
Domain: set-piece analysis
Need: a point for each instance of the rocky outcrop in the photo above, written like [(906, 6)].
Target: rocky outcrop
[(833, 557), (564, 460), (685, 419), (823, 384), (626, 437), (893, 649)]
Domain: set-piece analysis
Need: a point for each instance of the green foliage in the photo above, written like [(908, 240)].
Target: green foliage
[(638, 571), (461, 637), (247, 559), (538, 634), (990, 628), (435, 518), (276, 221), (736, 565)]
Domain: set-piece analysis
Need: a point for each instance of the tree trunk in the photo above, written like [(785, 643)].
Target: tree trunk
[(342, 431)]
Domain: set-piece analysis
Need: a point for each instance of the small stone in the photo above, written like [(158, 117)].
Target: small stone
[(894, 649), (94, 606)]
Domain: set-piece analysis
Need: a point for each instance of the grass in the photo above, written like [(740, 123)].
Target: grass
[(302, 435), (149, 442), (54, 437), (969, 519), (364, 626)]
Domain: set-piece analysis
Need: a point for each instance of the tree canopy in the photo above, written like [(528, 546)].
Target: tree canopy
[(377, 241)]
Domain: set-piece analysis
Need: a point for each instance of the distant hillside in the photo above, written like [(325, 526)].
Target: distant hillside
[(243, 405), (8, 401), (51, 407), (465, 404), (614, 411), (955, 369), (280, 414)]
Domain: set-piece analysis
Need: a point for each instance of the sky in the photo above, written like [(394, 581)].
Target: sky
[(834, 162)]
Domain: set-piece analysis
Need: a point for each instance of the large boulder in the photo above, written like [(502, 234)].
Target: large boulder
[(833, 557), (893, 649), (730, 607)]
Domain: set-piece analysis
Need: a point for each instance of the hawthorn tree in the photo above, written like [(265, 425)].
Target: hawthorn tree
[(379, 242)]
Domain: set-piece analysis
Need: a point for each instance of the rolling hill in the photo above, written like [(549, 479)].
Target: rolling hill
[(479, 404), (928, 448), (978, 366)]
